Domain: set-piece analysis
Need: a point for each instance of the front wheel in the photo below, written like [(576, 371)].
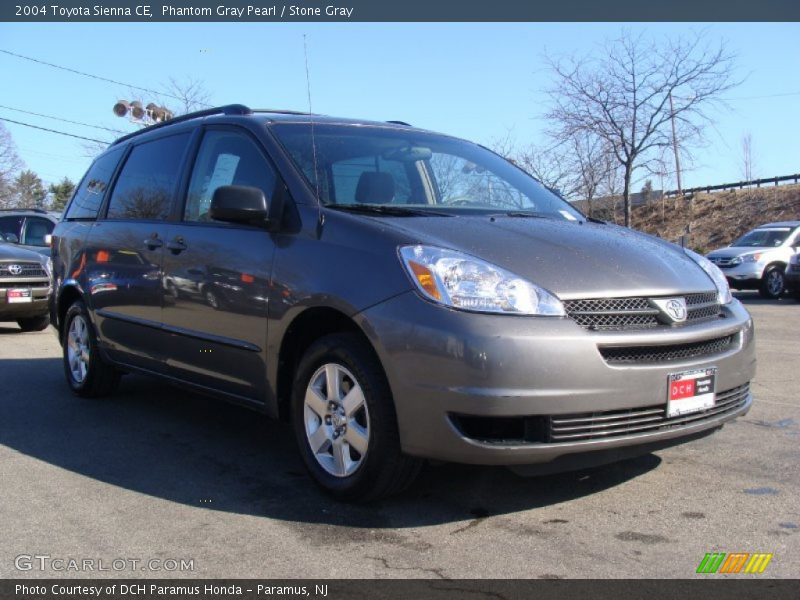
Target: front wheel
[(88, 375), (34, 323), (345, 423), (773, 282)]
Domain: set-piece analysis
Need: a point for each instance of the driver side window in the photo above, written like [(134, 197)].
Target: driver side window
[(225, 158)]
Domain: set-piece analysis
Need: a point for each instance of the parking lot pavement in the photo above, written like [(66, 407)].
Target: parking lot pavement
[(157, 473)]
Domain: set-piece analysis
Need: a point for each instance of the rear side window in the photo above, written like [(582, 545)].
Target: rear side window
[(89, 195), (146, 184)]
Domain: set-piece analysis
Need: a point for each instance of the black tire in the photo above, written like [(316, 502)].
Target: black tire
[(773, 282), (34, 323), (383, 470), (101, 378)]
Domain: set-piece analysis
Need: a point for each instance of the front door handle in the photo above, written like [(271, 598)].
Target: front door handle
[(177, 245), (154, 242)]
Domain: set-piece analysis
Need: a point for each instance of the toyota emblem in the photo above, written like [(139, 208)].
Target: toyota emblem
[(673, 308), (15, 269)]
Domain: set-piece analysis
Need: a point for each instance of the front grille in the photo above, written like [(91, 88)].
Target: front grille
[(617, 423), (672, 352), (26, 270), (723, 263), (637, 312)]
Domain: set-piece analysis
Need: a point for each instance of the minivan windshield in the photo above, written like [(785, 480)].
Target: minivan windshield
[(361, 166), (763, 238)]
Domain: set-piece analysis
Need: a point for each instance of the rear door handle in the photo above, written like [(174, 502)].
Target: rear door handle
[(153, 242), (177, 245)]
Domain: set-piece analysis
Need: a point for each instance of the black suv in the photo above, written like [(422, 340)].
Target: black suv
[(398, 294)]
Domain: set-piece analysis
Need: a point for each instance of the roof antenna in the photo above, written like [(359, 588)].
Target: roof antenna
[(320, 215)]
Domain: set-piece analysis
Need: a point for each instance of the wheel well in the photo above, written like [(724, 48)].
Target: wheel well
[(65, 300), (777, 263), (309, 326)]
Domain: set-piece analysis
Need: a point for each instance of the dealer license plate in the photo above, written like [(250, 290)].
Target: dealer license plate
[(18, 295), (691, 391)]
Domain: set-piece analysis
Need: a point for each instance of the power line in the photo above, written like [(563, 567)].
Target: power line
[(28, 112), (80, 137), (97, 77)]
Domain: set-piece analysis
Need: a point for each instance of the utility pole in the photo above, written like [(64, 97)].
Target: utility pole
[(675, 146)]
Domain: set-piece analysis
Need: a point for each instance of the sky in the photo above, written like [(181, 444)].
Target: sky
[(480, 81)]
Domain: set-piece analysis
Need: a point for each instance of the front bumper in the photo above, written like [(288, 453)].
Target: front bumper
[(444, 363), (37, 307), (745, 275)]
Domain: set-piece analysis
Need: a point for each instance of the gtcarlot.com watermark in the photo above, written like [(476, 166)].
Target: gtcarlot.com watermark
[(60, 564)]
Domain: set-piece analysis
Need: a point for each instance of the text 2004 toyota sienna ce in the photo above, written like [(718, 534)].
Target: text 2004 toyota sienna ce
[(397, 294)]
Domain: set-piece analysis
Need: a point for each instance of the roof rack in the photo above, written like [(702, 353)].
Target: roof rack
[(400, 123), (228, 109), (280, 111), (29, 209)]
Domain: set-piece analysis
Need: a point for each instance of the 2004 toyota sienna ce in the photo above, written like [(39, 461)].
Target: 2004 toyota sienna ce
[(397, 294)]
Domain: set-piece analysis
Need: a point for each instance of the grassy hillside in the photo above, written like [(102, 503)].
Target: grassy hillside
[(714, 219)]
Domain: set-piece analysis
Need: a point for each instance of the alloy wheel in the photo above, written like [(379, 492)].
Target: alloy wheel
[(78, 351), (336, 420)]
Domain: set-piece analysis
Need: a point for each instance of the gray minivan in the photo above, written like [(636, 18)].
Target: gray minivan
[(396, 294)]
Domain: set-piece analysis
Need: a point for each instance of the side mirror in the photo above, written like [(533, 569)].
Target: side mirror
[(48, 240), (239, 204)]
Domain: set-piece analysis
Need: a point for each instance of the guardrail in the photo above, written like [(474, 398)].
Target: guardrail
[(738, 185)]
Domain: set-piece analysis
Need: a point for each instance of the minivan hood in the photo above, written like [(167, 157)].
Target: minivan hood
[(572, 260)]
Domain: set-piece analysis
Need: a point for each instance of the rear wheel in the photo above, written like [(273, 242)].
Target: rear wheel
[(34, 323), (345, 423), (773, 282), (88, 375)]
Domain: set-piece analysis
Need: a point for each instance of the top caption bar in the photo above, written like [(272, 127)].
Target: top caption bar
[(402, 10)]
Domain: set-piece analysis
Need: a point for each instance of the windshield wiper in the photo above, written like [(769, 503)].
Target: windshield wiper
[(387, 209), (524, 214)]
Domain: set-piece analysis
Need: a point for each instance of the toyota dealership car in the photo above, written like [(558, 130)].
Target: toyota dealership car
[(758, 259), (397, 294), (24, 287)]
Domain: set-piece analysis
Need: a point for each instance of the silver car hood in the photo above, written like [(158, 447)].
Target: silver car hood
[(733, 251), (13, 252), (570, 259)]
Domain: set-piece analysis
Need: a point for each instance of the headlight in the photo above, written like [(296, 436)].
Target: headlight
[(723, 289), (48, 266), (751, 258), (468, 283)]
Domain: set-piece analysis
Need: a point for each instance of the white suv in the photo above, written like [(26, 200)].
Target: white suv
[(758, 259)]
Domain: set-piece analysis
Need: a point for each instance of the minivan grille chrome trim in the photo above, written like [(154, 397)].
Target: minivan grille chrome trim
[(665, 353), (637, 312), (617, 423)]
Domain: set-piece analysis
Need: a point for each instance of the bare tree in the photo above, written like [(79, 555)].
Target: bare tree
[(186, 95), (621, 95), (10, 164), (591, 160), (748, 164), (550, 165)]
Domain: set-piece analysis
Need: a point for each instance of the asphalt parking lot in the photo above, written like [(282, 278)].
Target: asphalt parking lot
[(157, 473)]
